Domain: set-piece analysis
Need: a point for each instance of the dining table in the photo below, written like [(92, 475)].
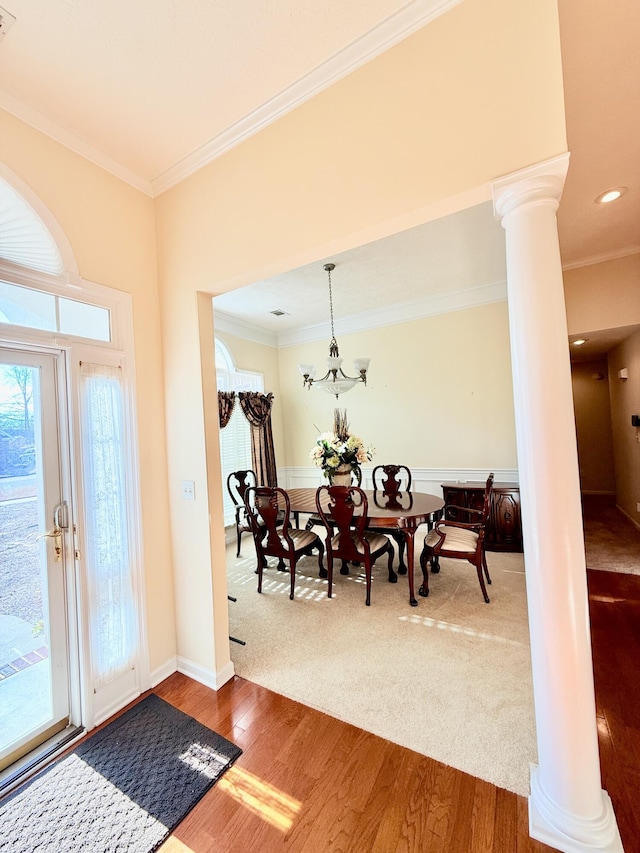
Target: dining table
[(403, 512)]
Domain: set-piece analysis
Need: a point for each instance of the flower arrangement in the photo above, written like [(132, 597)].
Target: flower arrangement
[(332, 451)]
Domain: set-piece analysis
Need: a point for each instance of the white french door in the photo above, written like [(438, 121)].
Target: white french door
[(35, 551), (105, 553), (73, 646)]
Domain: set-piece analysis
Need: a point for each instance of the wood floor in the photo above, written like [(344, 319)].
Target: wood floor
[(614, 603), (308, 782)]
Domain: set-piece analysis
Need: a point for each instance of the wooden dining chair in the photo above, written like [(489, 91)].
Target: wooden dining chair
[(314, 519), (391, 481), (459, 541), (272, 534), (343, 511), (237, 484)]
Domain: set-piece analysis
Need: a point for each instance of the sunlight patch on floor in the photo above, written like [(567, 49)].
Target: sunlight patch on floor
[(174, 845), (272, 805), (427, 622), (204, 760), (606, 599)]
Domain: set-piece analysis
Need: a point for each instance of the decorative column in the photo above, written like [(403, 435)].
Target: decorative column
[(567, 807)]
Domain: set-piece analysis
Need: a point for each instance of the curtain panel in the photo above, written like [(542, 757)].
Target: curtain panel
[(226, 402), (111, 598), (257, 410)]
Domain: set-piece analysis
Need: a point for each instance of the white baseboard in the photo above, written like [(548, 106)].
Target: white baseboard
[(205, 676), (626, 515), (113, 707), (164, 671)]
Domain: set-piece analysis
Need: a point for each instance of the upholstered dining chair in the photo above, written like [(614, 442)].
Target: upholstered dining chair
[(391, 481), (343, 511), (459, 541), (272, 534)]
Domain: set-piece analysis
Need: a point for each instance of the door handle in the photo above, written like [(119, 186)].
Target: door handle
[(56, 535), (60, 523)]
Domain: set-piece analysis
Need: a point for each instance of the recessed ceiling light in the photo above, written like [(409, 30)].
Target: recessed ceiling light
[(579, 341), (610, 195)]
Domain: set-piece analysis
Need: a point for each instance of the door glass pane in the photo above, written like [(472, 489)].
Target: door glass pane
[(26, 702), (23, 306), (83, 320)]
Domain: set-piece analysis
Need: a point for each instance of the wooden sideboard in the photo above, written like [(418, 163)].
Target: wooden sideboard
[(504, 529)]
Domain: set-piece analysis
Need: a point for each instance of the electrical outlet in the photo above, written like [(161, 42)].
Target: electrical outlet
[(188, 490)]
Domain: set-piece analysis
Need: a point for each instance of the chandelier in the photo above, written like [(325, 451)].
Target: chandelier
[(335, 381)]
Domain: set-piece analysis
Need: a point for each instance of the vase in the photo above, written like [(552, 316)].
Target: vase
[(341, 476)]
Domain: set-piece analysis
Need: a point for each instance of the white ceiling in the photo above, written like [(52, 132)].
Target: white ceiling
[(146, 84), (151, 89), (451, 255)]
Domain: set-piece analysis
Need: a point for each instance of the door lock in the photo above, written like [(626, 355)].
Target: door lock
[(56, 535), (60, 523)]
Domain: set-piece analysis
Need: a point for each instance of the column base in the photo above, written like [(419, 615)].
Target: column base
[(567, 832)]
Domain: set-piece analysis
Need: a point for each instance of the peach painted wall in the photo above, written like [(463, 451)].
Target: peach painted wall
[(603, 296), (419, 131), (439, 393)]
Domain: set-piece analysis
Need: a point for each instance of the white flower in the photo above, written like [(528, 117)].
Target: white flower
[(330, 451)]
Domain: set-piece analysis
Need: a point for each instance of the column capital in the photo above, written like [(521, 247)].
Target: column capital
[(542, 182)]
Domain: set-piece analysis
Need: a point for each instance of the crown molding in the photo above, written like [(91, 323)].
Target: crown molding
[(376, 318), (70, 140), (385, 35), (229, 325), (602, 258)]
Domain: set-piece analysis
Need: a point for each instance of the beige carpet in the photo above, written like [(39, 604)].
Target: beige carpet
[(450, 678), (612, 542)]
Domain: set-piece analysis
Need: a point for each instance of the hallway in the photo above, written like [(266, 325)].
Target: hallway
[(612, 542)]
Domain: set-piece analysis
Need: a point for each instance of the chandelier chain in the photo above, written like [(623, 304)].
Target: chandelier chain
[(335, 380), (333, 335)]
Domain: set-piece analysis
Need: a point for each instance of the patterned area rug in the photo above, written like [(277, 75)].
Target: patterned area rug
[(123, 789)]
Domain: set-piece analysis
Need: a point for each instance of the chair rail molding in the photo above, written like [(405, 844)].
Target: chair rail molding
[(424, 479)]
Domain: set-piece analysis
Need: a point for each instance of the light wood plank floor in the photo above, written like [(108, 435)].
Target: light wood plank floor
[(308, 782)]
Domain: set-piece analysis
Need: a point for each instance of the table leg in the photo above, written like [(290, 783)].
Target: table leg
[(409, 536)]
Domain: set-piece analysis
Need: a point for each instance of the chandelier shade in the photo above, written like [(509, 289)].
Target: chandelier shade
[(335, 381)]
